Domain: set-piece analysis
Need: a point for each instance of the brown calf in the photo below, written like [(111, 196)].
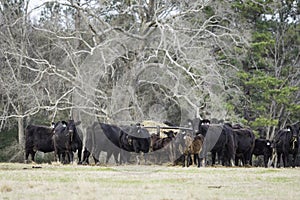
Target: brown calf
[(193, 147)]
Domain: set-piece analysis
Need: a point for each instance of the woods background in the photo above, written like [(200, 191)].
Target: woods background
[(133, 60)]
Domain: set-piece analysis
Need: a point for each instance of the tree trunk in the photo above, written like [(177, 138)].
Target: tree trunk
[(21, 132)]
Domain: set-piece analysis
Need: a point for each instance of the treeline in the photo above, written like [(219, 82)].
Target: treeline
[(127, 61)]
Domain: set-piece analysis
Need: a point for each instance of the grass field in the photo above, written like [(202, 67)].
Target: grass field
[(21, 181)]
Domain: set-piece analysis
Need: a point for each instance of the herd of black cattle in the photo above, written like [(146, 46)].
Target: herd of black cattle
[(228, 145)]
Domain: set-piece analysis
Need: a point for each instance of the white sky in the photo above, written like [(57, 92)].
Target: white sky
[(34, 6), (35, 3)]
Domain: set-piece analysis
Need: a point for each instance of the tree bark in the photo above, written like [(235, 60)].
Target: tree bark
[(21, 137)]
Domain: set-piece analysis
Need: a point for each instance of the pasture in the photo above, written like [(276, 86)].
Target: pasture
[(44, 181)]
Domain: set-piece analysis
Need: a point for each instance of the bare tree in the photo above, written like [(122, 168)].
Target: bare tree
[(122, 62)]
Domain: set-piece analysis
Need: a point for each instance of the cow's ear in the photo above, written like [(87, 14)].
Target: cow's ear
[(52, 125), (205, 122), (77, 123), (64, 123)]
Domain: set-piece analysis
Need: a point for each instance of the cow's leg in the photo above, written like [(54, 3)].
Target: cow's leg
[(266, 159), (97, 162), (213, 158), (121, 157), (221, 156), (108, 155), (71, 157), (79, 153), (32, 154), (184, 160), (232, 162), (236, 160), (285, 158), (62, 157), (195, 159), (96, 156), (196, 155), (116, 154), (188, 159), (294, 159), (26, 157), (277, 160), (223, 161), (247, 158), (250, 158), (243, 160), (198, 160), (68, 158), (86, 155)]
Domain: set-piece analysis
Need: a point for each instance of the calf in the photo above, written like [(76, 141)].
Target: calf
[(193, 147), (263, 147), (158, 143)]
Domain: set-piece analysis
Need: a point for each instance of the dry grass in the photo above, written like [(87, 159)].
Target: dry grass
[(20, 181)]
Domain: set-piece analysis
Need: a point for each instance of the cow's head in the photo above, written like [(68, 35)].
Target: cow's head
[(71, 128), (199, 125), (204, 122), (170, 134)]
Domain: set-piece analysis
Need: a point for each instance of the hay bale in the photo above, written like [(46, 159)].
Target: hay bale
[(148, 123)]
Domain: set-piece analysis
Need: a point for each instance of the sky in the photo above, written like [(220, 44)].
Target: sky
[(33, 6), (35, 3)]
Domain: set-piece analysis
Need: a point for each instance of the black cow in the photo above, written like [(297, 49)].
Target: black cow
[(219, 139), (96, 141), (135, 139), (199, 125), (263, 147), (113, 133), (38, 138), (244, 144), (66, 140), (286, 142)]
